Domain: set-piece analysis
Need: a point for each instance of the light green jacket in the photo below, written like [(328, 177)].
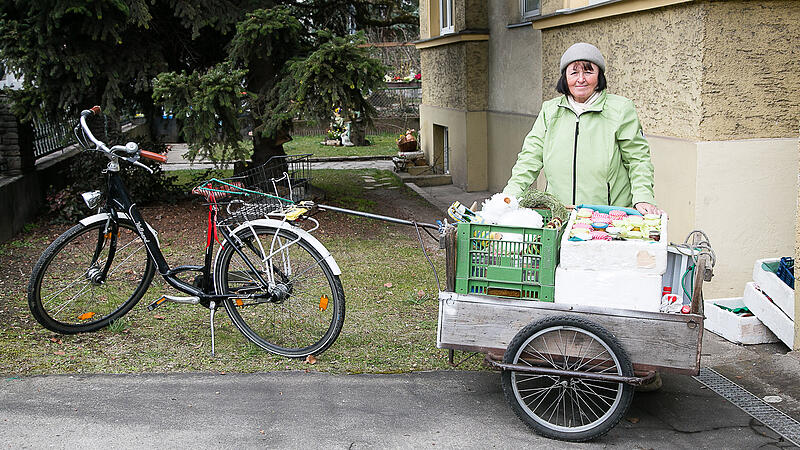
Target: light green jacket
[(599, 158)]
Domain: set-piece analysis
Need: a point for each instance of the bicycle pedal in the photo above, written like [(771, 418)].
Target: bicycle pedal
[(173, 299)]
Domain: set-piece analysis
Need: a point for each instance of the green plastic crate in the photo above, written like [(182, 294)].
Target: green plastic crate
[(509, 262)]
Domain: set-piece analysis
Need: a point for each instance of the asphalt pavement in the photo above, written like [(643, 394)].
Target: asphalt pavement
[(445, 409)]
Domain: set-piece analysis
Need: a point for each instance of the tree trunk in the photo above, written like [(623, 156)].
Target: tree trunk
[(358, 132), (266, 148)]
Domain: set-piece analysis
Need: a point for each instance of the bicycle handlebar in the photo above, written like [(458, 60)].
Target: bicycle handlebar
[(131, 148)]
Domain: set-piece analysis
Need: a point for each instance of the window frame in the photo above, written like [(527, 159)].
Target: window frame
[(529, 14), (449, 27)]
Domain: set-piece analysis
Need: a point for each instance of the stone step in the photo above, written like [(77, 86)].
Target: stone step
[(426, 179)]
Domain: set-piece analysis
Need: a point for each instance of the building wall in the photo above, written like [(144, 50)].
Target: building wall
[(455, 89), (653, 57), (515, 88), (446, 64), (746, 202), (750, 84), (711, 85), (515, 74), (467, 134)]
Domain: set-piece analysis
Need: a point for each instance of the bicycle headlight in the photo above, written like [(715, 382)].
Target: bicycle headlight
[(92, 199)]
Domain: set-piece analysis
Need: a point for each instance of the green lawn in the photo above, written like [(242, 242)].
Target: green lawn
[(391, 296), (381, 145)]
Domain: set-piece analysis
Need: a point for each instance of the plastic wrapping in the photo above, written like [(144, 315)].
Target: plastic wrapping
[(633, 254)]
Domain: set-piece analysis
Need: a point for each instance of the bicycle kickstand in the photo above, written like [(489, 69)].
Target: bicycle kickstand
[(213, 307)]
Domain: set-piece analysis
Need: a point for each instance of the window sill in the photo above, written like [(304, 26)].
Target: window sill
[(598, 11), (523, 24), (452, 38)]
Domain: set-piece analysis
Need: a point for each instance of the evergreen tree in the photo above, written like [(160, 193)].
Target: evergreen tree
[(214, 63)]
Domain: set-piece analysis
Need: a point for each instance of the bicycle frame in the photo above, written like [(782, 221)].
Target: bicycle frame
[(118, 200)]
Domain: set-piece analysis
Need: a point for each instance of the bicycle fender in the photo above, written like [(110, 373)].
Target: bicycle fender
[(326, 255), (102, 217)]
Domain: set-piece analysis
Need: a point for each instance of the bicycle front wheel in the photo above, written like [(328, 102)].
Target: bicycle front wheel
[(89, 277), (292, 303)]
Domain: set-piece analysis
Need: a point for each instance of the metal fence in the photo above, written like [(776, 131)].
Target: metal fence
[(397, 108), (397, 100), (50, 136)]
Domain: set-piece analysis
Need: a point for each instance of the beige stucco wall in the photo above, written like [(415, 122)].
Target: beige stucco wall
[(515, 75), (506, 132), (475, 14), (797, 256), (460, 73), (746, 202), (675, 162), (750, 84), (653, 57), (706, 70), (467, 134), (515, 88)]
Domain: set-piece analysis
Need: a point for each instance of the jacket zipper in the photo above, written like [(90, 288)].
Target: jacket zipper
[(608, 185), (575, 160)]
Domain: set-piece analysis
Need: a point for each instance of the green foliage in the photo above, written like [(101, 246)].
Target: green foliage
[(85, 173), (209, 103), (196, 57), (266, 34), (337, 74)]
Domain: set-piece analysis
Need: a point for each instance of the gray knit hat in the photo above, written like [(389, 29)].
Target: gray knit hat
[(583, 52)]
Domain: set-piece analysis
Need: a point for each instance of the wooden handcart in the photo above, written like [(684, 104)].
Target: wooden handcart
[(569, 371)]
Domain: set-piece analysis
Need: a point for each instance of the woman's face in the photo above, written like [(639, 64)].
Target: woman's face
[(582, 79)]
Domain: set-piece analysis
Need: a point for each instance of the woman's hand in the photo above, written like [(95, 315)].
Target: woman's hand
[(647, 208)]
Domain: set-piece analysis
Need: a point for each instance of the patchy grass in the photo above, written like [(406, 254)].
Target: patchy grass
[(390, 292), (380, 145)]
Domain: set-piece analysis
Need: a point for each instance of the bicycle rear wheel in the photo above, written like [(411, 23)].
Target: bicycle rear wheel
[(301, 312), (87, 278)]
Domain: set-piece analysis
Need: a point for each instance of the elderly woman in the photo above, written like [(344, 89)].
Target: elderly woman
[(589, 143)]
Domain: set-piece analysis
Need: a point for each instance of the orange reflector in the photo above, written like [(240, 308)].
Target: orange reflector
[(323, 303), (86, 316), (238, 302)]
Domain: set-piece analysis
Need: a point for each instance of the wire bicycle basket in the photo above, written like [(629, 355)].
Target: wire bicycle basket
[(269, 189)]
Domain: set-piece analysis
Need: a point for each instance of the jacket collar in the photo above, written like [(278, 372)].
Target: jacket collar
[(597, 106)]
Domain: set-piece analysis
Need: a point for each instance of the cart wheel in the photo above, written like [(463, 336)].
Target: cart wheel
[(561, 407)]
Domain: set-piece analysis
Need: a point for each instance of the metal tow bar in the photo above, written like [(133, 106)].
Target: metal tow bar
[(378, 217), (636, 381)]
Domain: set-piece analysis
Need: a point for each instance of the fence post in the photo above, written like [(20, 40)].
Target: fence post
[(16, 142)]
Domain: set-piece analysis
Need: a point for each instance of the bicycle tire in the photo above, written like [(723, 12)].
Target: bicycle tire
[(298, 326), (582, 409), (61, 295)]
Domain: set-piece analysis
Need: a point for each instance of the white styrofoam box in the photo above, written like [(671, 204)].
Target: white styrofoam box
[(738, 329), (635, 254), (774, 287), (772, 316), (624, 289)]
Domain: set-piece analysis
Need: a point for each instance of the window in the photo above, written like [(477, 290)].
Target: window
[(529, 8), (445, 16), (441, 148)]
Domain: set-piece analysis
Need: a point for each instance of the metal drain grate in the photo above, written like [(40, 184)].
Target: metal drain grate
[(752, 405)]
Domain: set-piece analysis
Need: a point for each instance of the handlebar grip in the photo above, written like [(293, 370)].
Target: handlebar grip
[(93, 110), (154, 156)]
